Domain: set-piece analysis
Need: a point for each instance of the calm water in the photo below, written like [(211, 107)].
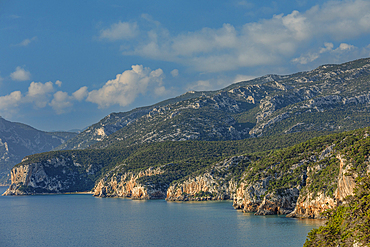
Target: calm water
[(82, 220)]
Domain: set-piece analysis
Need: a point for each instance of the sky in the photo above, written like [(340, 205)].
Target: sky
[(67, 64)]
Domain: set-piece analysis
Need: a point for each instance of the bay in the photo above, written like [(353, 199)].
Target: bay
[(83, 220)]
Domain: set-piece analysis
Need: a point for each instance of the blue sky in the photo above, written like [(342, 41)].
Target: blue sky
[(67, 64)]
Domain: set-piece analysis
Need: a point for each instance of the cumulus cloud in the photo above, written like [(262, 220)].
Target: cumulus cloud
[(59, 83), (26, 42), (39, 93), (124, 89), (81, 93), (61, 102), (120, 31), (20, 74), (266, 42), (10, 101), (346, 47), (328, 47), (175, 72)]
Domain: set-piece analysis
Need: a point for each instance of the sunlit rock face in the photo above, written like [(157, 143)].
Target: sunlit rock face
[(126, 185), (310, 206), (216, 184)]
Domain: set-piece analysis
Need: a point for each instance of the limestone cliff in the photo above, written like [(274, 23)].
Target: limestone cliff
[(55, 175), (219, 183), (115, 184), (312, 205), (304, 181), (254, 197)]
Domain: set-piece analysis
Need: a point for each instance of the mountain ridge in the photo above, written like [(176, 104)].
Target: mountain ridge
[(266, 105)]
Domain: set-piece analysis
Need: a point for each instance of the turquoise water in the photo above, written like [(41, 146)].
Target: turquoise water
[(83, 220)]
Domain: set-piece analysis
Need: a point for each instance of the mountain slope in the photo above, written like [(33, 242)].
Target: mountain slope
[(18, 140), (329, 98)]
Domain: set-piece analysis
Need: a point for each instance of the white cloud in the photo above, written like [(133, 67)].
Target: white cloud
[(20, 74), (343, 50), (10, 101), (124, 89), (328, 47), (175, 72), (80, 94), (266, 42), (346, 47), (307, 58), (39, 93), (120, 31), (61, 102), (59, 83), (26, 42)]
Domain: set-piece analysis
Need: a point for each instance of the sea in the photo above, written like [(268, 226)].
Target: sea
[(84, 220)]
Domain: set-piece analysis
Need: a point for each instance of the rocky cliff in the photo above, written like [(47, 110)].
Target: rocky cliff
[(301, 180), (58, 174), (312, 205), (219, 183), (116, 184), (18, 140)]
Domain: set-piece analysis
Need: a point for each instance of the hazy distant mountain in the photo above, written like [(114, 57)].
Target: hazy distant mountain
[(18, 140), (329, 98)]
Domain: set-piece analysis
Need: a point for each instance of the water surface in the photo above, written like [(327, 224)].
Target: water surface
[(83, 220)]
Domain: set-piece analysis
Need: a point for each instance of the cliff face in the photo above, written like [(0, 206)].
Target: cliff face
[(126, 185), (310, 205), (219, 183), (306, 180), (56, 175), (18, 140), (302, 180), (253, 197)]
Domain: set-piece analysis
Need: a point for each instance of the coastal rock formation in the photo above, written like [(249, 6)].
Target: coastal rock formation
[(311, 205), (115, 184), (55, 175), (254, 198), (18, 140), (219, 183)]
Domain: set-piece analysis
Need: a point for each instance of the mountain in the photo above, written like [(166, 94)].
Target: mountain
[(263, 143), (329, 98), (19, 140)]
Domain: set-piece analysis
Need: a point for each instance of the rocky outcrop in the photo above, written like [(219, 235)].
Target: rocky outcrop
[(310, 205), (55, 175), (115, 184), (219, 183), (201, 188), (254, 198), (18, 140)]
